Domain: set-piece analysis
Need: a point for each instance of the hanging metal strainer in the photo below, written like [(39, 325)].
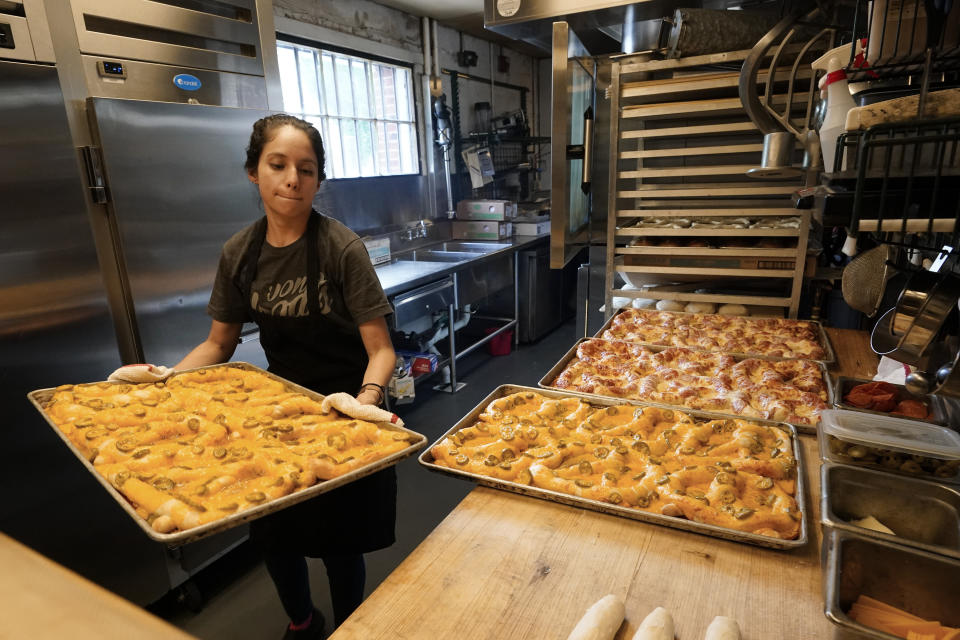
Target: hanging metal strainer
[(865, 278)]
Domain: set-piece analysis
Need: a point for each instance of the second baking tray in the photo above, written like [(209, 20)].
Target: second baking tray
[(829, 358), (41, 396), (551, 375), (426, 459)]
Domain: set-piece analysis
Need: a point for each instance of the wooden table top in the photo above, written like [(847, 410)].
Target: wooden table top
[(41, 599), (503, 565)]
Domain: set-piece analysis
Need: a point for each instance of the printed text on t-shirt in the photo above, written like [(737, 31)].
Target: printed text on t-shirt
[(289, 298)]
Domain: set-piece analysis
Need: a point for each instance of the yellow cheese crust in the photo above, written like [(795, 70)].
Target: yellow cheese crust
[(774, 337), (787, 391), (731, 473), (210, 443)]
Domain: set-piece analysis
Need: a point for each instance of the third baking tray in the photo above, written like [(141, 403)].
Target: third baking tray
[(823, 341)]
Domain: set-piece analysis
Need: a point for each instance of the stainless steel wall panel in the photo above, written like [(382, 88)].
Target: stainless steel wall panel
[(372, 204), (148, 81), (178, 192), (145, 30), (48, 266), (55, 327)]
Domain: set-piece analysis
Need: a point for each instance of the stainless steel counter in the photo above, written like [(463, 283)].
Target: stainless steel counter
[(402, 275)]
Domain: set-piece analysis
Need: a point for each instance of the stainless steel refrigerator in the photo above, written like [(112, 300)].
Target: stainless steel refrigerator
[(118, 186)]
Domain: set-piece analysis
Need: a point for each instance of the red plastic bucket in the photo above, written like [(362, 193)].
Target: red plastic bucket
[(501, 343)]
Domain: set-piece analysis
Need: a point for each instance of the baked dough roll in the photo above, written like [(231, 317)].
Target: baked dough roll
[(658, 625), (601, 620), (723, 628)]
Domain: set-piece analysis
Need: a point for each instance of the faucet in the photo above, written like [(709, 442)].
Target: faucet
[(417, 229)]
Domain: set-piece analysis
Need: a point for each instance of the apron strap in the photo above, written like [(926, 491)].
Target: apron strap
[(248, 263), (313, 265)]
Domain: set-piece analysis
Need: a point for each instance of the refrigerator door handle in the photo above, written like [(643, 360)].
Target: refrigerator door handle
[(249, 335), (96, 180)]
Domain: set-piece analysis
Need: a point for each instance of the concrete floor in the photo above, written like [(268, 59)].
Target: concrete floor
[(240, 601)]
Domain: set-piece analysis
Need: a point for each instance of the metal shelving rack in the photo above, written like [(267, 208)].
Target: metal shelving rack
[(682, 146)]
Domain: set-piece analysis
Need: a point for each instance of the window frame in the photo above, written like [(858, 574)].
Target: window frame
[(417, 160)]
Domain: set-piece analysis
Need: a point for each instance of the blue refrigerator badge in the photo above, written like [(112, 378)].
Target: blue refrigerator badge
[(187, 82)]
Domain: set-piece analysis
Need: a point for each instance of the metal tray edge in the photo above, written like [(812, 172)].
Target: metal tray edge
[(228, 522), (558, 368), (426, 459)]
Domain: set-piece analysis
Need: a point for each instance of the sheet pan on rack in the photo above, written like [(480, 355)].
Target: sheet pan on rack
[(824, 341), (427, 460), (40, 397), (551, 375)]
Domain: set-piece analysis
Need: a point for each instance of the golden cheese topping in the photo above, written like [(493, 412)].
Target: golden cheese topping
[(787, 391), (731, 473), (773, 337), (209, 443)]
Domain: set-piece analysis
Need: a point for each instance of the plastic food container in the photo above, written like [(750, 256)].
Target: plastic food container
[(907, 447)]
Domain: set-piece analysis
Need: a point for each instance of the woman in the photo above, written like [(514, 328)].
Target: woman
[(308, 283)]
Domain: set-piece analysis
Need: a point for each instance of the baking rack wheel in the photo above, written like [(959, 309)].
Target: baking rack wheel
[(190, 596)]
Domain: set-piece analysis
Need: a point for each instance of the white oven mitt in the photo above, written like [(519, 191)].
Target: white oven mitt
[(348, 405), (137, 373)]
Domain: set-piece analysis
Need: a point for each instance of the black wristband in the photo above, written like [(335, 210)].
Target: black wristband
[(379, 387)]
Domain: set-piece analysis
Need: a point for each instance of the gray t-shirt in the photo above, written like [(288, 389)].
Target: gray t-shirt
[(348, 288)]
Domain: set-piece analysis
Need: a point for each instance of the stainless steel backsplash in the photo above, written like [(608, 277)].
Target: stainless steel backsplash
[(376, 206)]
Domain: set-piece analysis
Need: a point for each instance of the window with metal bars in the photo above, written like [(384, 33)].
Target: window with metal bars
[(363, 108)]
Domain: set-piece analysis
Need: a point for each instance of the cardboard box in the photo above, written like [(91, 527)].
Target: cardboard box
[(419, 363), (531, 228), (486, 210), (476, 230), (379, 250)]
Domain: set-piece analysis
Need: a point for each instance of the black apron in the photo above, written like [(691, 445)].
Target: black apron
[(326, 356)]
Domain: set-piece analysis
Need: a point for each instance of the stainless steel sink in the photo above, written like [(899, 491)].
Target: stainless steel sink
[(473, 247), (435, 255)]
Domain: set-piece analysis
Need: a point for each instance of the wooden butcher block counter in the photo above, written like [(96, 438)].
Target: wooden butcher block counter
[(504, 566), (41, 599)]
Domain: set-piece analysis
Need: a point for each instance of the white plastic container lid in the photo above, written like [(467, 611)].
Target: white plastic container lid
[(896, 434)]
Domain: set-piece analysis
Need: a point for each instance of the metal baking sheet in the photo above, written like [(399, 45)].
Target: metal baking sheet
[(824, 339), (551, 375), (426, 459), (41, 396), (922, 514), (844, 384)]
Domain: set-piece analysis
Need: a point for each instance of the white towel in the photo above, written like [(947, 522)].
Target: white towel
[(348, 405), (137, 373)]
